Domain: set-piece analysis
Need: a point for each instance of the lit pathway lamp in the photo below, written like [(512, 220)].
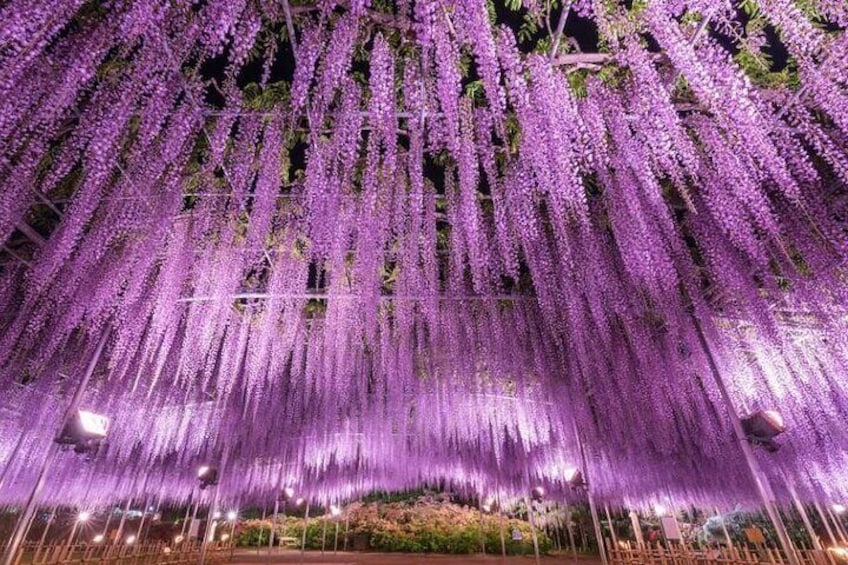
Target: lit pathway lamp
[(82, 518), (232, 518)]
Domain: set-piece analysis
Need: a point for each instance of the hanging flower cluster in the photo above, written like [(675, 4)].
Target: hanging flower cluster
[(425, 254)]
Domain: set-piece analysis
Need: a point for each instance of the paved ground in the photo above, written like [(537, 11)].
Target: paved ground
[(245, 557)]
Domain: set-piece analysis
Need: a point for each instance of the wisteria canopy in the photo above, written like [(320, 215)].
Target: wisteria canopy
[(342, 246)]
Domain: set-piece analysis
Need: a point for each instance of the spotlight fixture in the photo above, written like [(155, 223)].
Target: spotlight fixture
[(299, 501), (208, 476), (660, 510), (178, 539), (537, 494), (574, 478), (225, 537), (762, 427), (85, 430), (98, 538), (288, 493), (83, 516), (335, 511), (130, 540), (838, 508), (232, 515)]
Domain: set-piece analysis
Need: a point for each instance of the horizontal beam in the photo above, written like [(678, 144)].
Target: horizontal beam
[(330, 296)]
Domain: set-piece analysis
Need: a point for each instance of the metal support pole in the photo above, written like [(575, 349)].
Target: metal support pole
[(482, 534), (611, 526), (347, 529), (141, 522), (108, 521), (324, 536), (803, 513), (41, 541), (194, 514), (336, 542), (305, 527), (570, 529), (24, 520), (210, 523), (532, 528), (68, 549), (185, 520), (274, 523), (123, 522), (836, 523), (637, 529), (259, 541), (825, 521), (724, 529), (593, 510), (501, 520), (12, 457), (763, 487)]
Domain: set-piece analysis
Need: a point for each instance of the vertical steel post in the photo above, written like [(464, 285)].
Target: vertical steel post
[(305, 528), (24, 520), (274, 522), (824, 520), (799, 506), (593, 510), (763, 487), (532, 528)]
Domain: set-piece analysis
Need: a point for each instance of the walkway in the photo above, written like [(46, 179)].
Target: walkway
[(244, 557)]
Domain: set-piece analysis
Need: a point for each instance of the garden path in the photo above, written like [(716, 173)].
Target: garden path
[(245, 557)]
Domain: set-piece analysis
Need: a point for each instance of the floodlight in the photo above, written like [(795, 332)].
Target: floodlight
[(85, 430), (335, 511), (574, 478), (838, 508), (538, 494), (178, 539), (299, 501), (208, 476), (130, 540), (840, 552), (216, 516), (288, 493), (762, 427), (98, 538), (83, 516), (660, 510), (225, 537), (232, 515)]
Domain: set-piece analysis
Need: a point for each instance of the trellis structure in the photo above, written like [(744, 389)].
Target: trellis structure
[(355, 245)]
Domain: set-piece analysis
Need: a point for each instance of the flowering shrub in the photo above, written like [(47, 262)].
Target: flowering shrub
[(420, 526)]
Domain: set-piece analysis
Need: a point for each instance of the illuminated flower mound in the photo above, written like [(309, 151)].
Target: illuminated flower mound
[(423, 243)]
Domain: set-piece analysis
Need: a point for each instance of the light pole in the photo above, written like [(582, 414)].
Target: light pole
[(24, 520), (763, 487)]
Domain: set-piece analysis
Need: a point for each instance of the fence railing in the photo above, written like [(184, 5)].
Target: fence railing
[(625, 553), (113, 554)]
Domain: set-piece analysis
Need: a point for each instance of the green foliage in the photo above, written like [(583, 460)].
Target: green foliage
[(275, 93)]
